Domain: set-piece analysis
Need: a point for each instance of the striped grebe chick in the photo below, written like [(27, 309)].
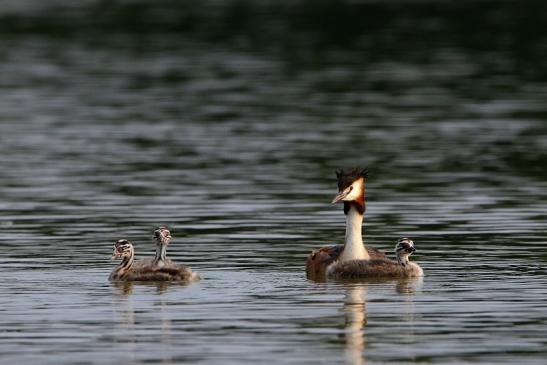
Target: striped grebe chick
[(128, 270), (379, 268), (351, 191), (162, 235)]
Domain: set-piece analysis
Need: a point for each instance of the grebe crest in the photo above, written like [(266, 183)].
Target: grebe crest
[(351, 189)]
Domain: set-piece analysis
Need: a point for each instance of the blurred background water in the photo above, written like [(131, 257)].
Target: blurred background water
[(226, 121)]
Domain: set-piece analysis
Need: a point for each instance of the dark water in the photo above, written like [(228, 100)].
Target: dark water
[(226, 122)]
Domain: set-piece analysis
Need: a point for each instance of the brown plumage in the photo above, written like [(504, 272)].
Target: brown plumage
[(378, 267), (127, 270), (319, 260), (182, 274)]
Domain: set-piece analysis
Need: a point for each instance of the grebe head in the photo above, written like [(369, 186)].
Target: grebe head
[(403, 249), (351, 188), (122, 248), (162, 235)]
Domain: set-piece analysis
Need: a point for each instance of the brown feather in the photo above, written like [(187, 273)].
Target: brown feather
[(144, 271), (178, 273), (320, 259), (376, 268)]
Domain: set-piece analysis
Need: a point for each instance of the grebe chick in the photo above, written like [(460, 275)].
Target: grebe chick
[(351, 191), (379, 268), (141, 271), (162, 236)]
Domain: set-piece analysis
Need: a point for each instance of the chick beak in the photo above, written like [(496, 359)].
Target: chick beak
[(116, 255)]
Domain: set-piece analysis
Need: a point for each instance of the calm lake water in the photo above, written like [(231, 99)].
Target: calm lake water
[(114, 120)]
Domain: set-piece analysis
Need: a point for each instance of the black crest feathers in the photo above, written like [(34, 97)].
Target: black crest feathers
[(348, 176)]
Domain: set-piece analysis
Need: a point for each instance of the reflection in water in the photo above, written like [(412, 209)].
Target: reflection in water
[(124, 317), (124, 305), (356, 315), (356, 319), (409, 285), (123, 288)]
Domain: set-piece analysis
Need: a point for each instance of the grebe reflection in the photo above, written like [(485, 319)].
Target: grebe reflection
[(356, 315)]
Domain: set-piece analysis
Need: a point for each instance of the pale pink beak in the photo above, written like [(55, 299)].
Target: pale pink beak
[(341, 195), (116, 255)]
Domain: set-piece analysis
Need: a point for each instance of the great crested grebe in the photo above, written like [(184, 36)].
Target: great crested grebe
[(127, 270), (351, 190), (382, 267)]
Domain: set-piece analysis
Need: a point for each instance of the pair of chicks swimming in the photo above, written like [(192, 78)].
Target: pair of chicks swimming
[(160, 268)]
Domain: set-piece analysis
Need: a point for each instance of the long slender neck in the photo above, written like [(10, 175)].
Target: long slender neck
[(354, 249), (161, 252), (126, 264)]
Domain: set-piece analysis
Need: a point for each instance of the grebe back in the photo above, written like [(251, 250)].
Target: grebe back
[(379, 268)]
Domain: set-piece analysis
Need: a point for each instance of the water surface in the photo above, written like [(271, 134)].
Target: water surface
[(105, 134)]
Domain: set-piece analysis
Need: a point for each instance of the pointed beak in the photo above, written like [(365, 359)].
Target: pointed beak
[(161, 237), (412, 249), (116, 255), (341, 195)]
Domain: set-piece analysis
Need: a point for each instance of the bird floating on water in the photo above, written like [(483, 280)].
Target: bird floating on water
[(158, 269), (354, 259), (381, 267)]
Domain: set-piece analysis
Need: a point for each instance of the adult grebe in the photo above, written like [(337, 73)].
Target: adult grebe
[(379, 268), (127, 270), (351, 190)]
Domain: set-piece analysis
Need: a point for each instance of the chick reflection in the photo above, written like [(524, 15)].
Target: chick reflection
[(124, 310), (356, 320), (409, 286), (125, 299), (125, 288)]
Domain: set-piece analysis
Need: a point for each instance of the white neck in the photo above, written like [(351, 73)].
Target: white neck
[(354, 249), (403, 260)]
